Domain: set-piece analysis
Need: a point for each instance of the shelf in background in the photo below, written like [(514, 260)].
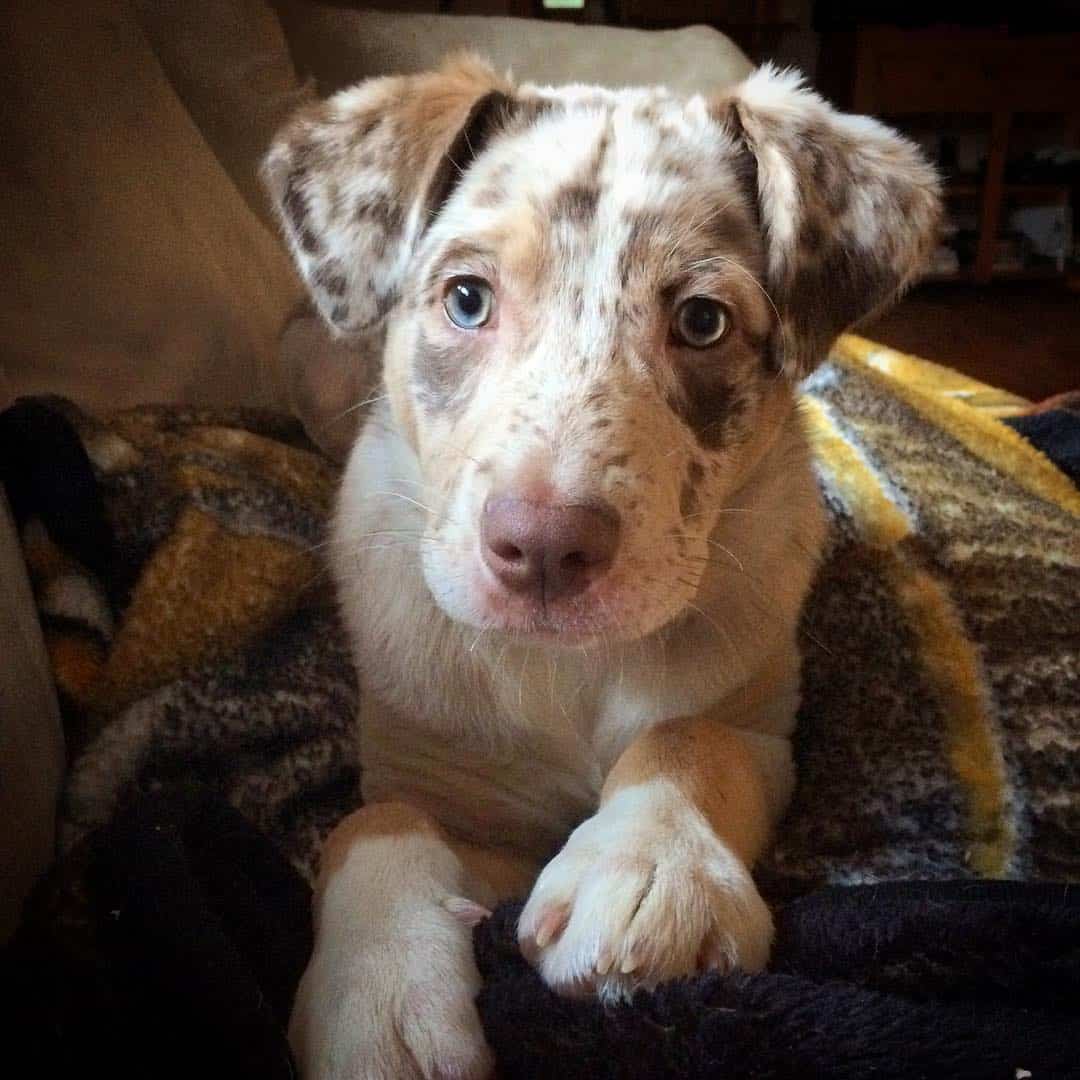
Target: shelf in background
[(971, 189), (1026, 273)]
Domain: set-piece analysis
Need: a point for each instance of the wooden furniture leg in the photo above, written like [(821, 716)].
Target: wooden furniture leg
[(992, 197)]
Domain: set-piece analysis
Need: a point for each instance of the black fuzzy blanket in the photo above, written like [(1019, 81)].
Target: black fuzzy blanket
[(200, 931), (210, 704)]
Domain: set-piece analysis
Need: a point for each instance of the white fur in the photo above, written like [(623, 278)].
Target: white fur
[(389, 990), (649, 893)]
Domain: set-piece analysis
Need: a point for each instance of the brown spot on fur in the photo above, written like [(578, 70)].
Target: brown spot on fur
[(492, 195), (679, 166), (649, 112), (364, 126), (708, 401), (811, 236), (902, 197), (294, 206), (646, 230), (384, 302), (688, 496), (384, 213), (439, 372), (374, 821), (575, 203), (713, 767), (731, 228), (330, 277)]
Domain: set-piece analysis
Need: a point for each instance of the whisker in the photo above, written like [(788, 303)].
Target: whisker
[(727, 551), (404, 480), (722, 510), (353, 408), (722, 633), (404, 498)]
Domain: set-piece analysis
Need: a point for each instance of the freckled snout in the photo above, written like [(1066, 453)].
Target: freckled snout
[(552, 552)]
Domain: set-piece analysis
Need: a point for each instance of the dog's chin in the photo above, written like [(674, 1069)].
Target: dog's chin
[(553, 626), (604, 613)]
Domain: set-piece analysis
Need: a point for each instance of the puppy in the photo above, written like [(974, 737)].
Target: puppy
[(575, 534)]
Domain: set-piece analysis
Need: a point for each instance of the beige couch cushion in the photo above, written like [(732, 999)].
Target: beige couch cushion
[(335, 46), (229, 64), (31, 738), (135, 269)]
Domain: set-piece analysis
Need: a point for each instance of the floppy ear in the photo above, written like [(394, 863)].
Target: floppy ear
[(356, 179), (849, 210)]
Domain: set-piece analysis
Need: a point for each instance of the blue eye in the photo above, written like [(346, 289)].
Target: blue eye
[(468, 302), (701, 322)]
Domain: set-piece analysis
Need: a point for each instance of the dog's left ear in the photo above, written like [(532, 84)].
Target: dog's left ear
[(357, 178), (849, 209)]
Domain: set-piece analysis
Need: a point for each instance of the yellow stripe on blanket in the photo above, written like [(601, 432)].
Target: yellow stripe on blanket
[(948, 656), (910, 379), (932, 378)]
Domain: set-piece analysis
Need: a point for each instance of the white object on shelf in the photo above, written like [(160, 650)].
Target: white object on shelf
[(1049, 229), (944, 261)]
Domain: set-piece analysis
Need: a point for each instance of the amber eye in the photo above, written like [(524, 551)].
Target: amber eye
[(700, 322), (468, 302)]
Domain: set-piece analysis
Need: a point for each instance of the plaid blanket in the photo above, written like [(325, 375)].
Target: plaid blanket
[(175, 557)]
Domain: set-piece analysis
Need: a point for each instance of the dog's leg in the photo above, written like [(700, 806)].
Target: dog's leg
[(389, 990), (656, 884)]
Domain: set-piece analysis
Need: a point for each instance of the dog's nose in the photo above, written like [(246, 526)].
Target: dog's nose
[(553, 551)]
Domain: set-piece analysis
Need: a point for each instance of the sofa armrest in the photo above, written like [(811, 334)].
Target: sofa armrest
[(31, 736)]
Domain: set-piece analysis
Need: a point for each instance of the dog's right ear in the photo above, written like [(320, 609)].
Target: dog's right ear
[(849, 210), (357, 178)]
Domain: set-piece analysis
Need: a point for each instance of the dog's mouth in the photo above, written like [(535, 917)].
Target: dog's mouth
[(587, 617)]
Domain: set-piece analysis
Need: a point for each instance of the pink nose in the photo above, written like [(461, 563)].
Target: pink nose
[(551, 551)]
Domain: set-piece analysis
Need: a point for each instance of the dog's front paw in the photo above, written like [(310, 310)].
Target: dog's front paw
[(643, 891), (392, 1010)]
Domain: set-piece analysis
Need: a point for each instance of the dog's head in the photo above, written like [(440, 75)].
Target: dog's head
[(594, 303)]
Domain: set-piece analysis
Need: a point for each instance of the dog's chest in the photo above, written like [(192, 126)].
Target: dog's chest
[(527, 776)]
